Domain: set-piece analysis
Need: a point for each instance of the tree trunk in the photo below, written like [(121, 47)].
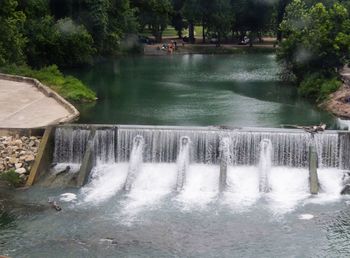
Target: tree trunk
[(158, 37), (280, 13), (191, 32), (218, 44), (203, 34)]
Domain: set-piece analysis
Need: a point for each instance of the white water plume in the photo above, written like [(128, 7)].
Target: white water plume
[(154, 182), (135, 161), (183, 161), (265, 164), (105, 182), (201, 186)]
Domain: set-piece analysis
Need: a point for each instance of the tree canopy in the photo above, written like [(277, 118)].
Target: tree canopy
[(316, 44)]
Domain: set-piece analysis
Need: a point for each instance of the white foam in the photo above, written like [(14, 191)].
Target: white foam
[(242, 187), (105, 182), (68, 197), (330, 181), (305, 216), (201, 185), (73, 167), (289, 186), (153, 183)]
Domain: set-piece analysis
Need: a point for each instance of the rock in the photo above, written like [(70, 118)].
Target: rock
[(31, 143), (18, 165), (21, 171), (29, 158), (13, 160)]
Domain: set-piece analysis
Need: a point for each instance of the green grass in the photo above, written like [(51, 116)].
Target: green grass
[(68, 87), (171, 32)]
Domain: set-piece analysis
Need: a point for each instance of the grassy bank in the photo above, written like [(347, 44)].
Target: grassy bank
[(68, 87)]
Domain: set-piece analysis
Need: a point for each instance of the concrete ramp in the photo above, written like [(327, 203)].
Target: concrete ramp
[(26, 103)]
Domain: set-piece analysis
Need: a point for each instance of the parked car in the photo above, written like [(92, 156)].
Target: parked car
[(146, 40)]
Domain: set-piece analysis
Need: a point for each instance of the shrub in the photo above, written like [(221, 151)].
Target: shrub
[(317, 87), (12, 178)]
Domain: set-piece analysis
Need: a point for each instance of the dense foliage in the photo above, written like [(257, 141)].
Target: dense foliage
[(316, 46), (314, 34)]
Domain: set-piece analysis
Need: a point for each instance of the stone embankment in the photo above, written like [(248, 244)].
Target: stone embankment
[(18, 154), (339, 101)]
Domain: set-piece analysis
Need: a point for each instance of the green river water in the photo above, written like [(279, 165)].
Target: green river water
[(232, 90)]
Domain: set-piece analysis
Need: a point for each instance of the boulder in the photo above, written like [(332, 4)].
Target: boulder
[(21, 170), (29, 158), (346, 190)]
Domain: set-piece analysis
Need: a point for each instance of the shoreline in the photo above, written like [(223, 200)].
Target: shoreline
[(338, 103), (186, 49)]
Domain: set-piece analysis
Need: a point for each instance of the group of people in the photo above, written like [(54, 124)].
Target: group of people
[(170, 47)]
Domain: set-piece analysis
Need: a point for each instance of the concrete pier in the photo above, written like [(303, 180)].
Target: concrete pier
[(88, 162), (224, 159), (313, 178)]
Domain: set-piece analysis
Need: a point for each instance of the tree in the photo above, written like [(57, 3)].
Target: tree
[(156, 15), (317, 39), (177, 19), (316, 46), (281, 8), (12, 40), (192, 11), (220, 18)]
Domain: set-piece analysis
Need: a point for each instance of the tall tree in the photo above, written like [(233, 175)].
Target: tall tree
[(193, 14), (156, 15), (177, 19), (219, 20), (12, 41), (317, 39)]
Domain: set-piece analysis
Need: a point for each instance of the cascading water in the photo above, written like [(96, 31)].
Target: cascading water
[(183, 161), (155, 159), (70, 145), (135, 162), (265, 164)]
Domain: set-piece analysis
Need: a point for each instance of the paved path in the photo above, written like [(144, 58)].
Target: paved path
[(22, 105)]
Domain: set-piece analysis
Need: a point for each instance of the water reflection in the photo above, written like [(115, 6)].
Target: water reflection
[(233, 90)]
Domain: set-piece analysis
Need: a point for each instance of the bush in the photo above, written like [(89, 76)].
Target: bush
[(68, 87), (12, 178), (318, 87)]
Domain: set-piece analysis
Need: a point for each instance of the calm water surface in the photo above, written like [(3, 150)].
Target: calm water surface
[(235, 90)]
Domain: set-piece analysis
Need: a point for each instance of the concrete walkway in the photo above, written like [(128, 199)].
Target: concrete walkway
[(22, 105)]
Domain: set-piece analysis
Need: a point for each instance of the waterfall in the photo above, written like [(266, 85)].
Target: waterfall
[(265, 164), (202, 164), (70, 145), (114, 144), (104, 146), (135, 161), (183, 161)]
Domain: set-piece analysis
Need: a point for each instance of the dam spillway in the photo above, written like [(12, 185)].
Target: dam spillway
[(199, 164), (113, 144)]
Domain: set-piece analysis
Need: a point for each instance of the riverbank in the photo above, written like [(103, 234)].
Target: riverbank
[(184, 49), (17, 155), (338, 102), (26, 103)]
